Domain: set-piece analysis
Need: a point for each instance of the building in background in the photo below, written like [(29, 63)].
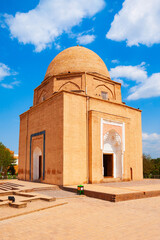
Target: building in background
[(79, 130)]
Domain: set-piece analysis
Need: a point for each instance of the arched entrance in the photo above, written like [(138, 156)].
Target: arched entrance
[(37, 164), (112, 155)]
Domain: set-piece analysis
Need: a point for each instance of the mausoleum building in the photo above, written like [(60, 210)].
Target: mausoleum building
[(78, 129)]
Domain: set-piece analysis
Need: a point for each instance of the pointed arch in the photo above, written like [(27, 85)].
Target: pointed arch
[(103, 87), (37, 163), (69, 86), (113, 144), (112, 137), (42, 96)]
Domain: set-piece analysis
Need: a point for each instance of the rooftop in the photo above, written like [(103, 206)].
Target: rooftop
[(76, 59)]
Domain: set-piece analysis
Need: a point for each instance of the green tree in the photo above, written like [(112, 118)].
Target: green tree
[(148, 165), (156, 166), (12, 170), (6, 158)]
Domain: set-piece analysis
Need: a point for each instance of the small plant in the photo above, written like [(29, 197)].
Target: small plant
[(10, 177)]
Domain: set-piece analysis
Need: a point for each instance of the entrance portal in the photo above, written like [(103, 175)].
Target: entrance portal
[(108, 165), (113, 147), (37, 164)]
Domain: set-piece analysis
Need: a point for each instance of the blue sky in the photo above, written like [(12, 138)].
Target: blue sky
[(125, 36)]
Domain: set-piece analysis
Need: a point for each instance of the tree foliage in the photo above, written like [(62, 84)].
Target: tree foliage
[(6, 158), (12, 170), (155, 166), (151, 167)]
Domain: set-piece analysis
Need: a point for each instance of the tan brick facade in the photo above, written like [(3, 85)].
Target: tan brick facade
[(78, 117)]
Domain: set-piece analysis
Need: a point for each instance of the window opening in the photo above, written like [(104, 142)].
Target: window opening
[(104, 95)]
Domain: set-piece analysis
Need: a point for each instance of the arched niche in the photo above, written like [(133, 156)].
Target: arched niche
[(69, 86), (102, 89), (42, 96), (37, 163), (113, 145)]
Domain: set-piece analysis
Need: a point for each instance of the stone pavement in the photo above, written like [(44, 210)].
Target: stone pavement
[(22, 192), (84, 217), (144, 182), (88, 218), (29, 197), (121, 191), (58, 194), (7, 185), (34, 206)]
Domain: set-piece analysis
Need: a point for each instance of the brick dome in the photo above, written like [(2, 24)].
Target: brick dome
[(76, 59)]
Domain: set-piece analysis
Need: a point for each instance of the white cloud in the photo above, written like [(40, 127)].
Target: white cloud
[(134, 73), (115, 61), (137, 23), (151, 144), (9, 86), (85, 39), (150, 137), (15, 83), (42, 25), (57, 46), (4, 71), (122, 82), (147, 86)]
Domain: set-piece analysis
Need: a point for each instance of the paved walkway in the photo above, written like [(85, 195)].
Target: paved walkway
[(18, 185), (27, 199), (58, 194), (34, 206), (143, 182), (121, 191), (88, 218), (123, 187)]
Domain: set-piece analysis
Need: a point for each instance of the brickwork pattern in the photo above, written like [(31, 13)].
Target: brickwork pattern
[(88, 218)]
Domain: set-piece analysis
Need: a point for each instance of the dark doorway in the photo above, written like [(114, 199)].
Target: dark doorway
[(108, 165), (40, 166)]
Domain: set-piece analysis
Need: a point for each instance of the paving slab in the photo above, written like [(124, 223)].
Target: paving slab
[(88, 218), (25, 186), (58, 194), (23, 193), (18, 204), (119, 192), (17, 210)]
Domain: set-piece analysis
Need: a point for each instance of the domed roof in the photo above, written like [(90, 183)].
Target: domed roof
[(77, 59)]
